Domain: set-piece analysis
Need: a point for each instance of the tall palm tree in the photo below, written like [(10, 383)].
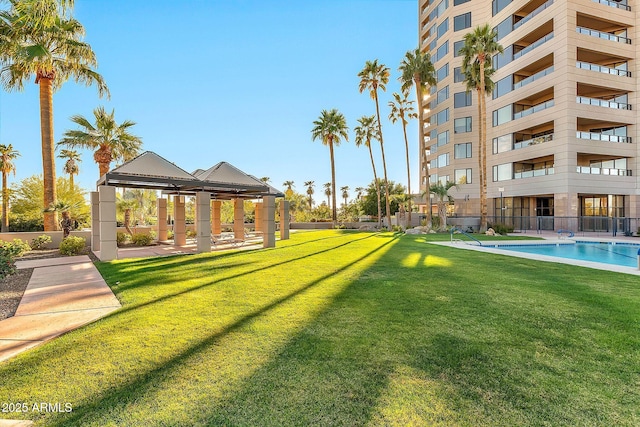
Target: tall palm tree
[(310, 191), (289, 185), (7, 165), (359, 191), (417, 70), (41, 39), (479, 46), (327, 192), (441, 191), (401, 109), (265, 179), (109, 140), (345, 193), (375, 76), (71, 165), (330, 128), (366, 132)]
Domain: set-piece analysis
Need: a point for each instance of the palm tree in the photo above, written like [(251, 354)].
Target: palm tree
[(345, 193), (109, 140), (41, 39), (289, 185), (330, 127), (479, 46), (265, 179), (71, 165), (417, 70), (310, 191), (7, 156), (402, 109), (441, 191), (375, 76), (327, 192), (359, 191), (366, 132)]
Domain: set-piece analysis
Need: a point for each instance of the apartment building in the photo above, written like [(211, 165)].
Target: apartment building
[(562, 134)]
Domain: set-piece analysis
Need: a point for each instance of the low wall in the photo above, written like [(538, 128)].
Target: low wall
[(56, 236)]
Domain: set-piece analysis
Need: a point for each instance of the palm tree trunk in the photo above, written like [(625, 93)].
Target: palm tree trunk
[(48, 155), (5, 203), (71, 182), (418, 84), (334, 212), (406, 146), (483, 149), (384, 164), (127, 220), (375, 179)]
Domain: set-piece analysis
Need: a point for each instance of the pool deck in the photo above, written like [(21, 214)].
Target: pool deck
[(549, 238)]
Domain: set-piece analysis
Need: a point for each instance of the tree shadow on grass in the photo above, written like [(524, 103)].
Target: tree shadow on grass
[(118, 398)]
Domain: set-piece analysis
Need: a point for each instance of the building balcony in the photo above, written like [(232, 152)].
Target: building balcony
[(603, 171), (595, 136), (533, 141), (532, 46), (603, 35), (533, 13), (533, 78), (533, 109), (535, 172), (617, 4), (602, 69), (602, 103)]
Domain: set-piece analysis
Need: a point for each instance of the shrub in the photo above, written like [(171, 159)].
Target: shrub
[(502, 228), (7, 262), (40, 242), (16, 248), (169, 234), (191, 234), (141, 239), (121, 238), (72, 245)]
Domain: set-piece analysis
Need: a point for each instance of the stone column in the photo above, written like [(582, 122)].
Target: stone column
[(215, 217), (269, 222), (95, 221), (179, 227), (238, 219), (284, 219), (108, 243), (258, 217), (203, 221), (161, 205)]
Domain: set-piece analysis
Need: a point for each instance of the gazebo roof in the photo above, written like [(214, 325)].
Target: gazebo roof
[(151, 171)]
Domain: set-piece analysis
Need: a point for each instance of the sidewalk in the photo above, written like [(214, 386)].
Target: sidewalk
[(63, 294)]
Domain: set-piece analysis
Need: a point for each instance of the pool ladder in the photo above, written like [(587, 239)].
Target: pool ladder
[(453, 229)]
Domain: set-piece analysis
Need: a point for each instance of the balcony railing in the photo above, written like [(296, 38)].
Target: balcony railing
[(602, 69), (532, 46), (603, 35), (532, 14), (617, 4), (603, 171), (533, 77), (602, 103), (534, 109), (533, 141), (603, 137), (534, 172)]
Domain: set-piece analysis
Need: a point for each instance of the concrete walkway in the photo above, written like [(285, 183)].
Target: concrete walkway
[(63, 294)]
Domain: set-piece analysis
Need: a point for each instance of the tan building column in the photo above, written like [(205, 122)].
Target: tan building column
[(215, 217), (108, 243), (161, 205), (238, 219), (269, 221), (203, 221), (95, 221), (284, 220), (258, 217), (179, 227)]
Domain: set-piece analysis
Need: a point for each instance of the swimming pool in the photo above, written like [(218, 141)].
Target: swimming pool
[(624, 254)]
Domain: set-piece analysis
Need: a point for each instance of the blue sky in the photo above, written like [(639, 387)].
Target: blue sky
[(233, 80)]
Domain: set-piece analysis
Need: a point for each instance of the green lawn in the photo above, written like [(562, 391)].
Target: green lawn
[(339, 328)]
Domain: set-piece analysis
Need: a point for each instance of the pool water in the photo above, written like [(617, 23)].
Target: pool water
[(618, 254)]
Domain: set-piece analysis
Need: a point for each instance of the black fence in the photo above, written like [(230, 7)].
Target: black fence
[(576, 224)]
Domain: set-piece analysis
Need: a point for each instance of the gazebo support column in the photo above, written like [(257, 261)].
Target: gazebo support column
[(162, 219), (284, 220), (269, 221), (179, 227), (203, 221), (107, 215), (238, 219), (258, 217), (95, 221), (215, 217)]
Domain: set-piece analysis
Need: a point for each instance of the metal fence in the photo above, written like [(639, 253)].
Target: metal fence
[(599, 225)]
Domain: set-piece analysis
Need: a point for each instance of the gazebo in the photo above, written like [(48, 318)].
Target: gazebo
[(222, 181)]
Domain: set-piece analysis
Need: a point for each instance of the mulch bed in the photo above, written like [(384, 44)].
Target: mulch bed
[(12, 287)]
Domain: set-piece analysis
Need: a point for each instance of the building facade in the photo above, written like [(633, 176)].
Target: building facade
[(562, 134)]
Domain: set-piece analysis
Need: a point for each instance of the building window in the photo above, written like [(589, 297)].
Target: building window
[(461, 22), (462, 151), (443, 95), (462, 125), (462, 176), (443, 180), (503, 86), (443, 116), (461, 99), (503, 172), (443, 138), (498, 5), (442, 72), (504, 28), (441, 52), (458, 2), (502, 143), (457, 75), (503, 115), (443, 28), (457, 46), (443, 160)]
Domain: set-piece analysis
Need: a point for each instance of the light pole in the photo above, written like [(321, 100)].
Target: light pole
[(501, 189)]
